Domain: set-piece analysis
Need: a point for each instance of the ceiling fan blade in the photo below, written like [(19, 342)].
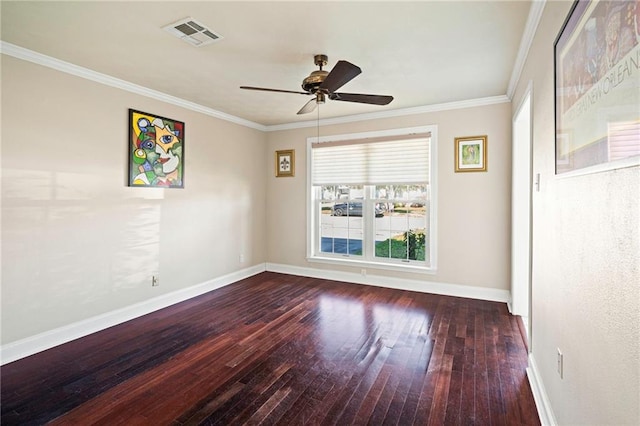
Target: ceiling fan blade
[(308, 107), (273, 90), (341, 74), (361, 98)]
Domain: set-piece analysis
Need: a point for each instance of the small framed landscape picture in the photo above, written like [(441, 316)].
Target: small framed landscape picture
[(471, 154), (285, 163)]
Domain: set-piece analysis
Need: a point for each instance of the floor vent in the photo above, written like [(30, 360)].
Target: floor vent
[(193, 32)]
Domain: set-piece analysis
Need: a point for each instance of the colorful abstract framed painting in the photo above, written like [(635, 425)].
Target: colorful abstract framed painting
[(285, 163), (597, 87), (471, 154), (156, 151)]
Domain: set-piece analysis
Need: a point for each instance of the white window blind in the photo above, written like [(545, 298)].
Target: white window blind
[(371, 161)]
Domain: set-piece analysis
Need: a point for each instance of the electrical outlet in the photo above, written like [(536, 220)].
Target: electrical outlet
[(155, 282), (363, 272), (560, 361), (241, 257)]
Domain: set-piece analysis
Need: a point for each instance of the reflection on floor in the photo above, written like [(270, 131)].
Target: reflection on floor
[(282, 349)]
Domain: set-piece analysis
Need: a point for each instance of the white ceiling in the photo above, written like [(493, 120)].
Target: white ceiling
[(423, 52)]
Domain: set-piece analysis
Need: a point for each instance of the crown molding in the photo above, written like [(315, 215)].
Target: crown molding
[(78, 71), (393, 113), (535, 14)]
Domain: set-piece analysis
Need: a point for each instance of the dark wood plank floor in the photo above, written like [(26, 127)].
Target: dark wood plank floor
[(280, 349)]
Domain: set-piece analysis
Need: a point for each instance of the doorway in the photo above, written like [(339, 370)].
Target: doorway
[(521, 195)]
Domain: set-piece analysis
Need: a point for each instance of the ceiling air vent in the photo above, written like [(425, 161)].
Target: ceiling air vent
[(193, 32)]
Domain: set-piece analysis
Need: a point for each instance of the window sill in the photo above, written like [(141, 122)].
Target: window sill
[(409, 268)]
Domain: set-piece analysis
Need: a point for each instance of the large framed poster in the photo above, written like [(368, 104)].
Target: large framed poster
[(597, 86)]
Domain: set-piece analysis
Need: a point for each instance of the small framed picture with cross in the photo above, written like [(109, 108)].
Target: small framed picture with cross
[(285, 163)]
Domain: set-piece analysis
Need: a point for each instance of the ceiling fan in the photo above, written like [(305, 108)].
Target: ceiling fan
[(323, 84)]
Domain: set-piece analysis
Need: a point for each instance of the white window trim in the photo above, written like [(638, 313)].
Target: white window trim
[(433, 210)]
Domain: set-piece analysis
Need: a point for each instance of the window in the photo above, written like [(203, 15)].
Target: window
[(371, 199)]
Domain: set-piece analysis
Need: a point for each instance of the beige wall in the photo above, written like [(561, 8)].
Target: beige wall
[(473, 208), (76, 241), (586, 267)]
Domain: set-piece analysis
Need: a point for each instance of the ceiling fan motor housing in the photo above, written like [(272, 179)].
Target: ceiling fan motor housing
[(313, 82)]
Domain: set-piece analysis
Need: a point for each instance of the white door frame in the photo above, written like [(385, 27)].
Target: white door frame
[(521, 211)]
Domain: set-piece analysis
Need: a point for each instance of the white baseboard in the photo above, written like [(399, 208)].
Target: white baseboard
[(545, 412), (481, 293), (22, 348), (40, 342)]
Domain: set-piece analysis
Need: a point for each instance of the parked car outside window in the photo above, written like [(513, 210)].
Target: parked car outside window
[(352, 209)]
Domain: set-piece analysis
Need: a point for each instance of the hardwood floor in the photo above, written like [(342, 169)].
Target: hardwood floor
[(280, 349)]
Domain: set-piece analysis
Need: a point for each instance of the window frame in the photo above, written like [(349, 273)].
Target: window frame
[(312, 199)]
